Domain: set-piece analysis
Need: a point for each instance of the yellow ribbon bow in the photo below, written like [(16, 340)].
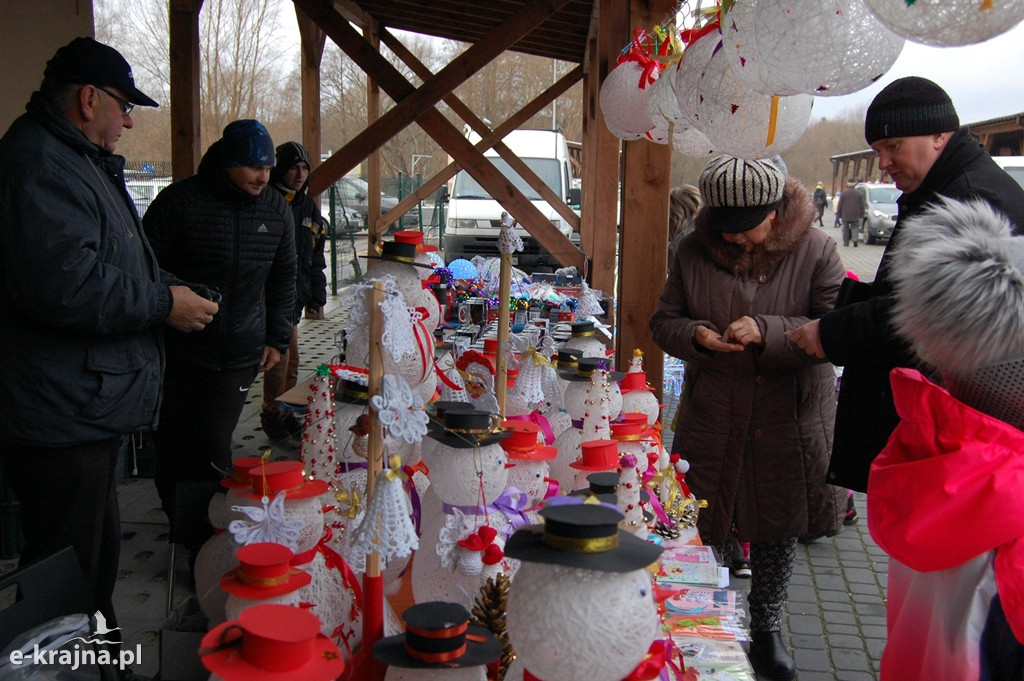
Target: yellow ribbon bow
[(395, 469), (351, 499)]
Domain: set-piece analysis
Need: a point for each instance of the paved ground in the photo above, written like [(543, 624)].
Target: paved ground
[(836, 611)]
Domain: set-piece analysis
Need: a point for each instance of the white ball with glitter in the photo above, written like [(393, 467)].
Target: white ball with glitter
[(948, 23)]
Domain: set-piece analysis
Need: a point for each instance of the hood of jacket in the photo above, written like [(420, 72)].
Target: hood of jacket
[(793, 220)]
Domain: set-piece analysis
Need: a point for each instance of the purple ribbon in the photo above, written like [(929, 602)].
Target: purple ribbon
[(566, 500), (349, 466), (512, 501), (577, 424), (414, 497)]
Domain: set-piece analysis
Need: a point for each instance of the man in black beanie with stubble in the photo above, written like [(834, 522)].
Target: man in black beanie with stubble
[(914, 128)]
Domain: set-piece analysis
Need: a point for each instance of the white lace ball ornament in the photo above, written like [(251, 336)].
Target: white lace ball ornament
[(744, 123), (643, 401), (216, 557), (546, 605), (948, 23), (568, 445), (662, 101), (739, 41), (824, 47), (688, 74), (333, 601), (624, 102), (692, 142)]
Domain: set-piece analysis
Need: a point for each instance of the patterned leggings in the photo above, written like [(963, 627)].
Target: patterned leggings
[(771, 565)]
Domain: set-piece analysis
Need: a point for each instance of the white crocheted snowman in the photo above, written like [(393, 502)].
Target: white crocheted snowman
[(636, 395), (528, 458), (467, 491), (581, 607)]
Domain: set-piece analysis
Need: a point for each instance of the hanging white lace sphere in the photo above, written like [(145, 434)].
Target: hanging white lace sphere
[(740, 43), (546, 605), (643, 401), (824, 47), (216, 557), (948, 23), (662, 101), (744, 123), (624, 102), (692, 142), (688, 74)]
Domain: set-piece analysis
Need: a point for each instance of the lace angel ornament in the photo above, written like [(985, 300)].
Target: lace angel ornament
[(386, 527), (508, 240), (267, 523)]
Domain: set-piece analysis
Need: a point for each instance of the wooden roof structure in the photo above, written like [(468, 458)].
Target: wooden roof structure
[(616, 249)]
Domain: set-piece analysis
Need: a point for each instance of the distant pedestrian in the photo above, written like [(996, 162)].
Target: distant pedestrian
[(850, 211), (820, 199)]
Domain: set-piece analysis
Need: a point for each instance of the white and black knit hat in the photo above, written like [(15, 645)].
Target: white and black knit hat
[(958, 279), (739, 192)]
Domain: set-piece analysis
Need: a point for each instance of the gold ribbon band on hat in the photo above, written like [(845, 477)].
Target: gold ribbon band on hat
[(630, 437), (578, 545), (352, 392), (582, 334), (262, 582)]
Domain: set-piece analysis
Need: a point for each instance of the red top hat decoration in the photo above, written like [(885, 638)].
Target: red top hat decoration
[(240, 478), (271, 643), (598, 455), (627, 431), (634, 380), (264, 571), (523, 443), (411, 236), (637, 417), (268, 479)]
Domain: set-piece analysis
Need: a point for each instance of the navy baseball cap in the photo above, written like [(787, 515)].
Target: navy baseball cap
[(89, 62)]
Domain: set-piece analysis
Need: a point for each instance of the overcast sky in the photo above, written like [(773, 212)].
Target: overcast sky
[(984, 80)]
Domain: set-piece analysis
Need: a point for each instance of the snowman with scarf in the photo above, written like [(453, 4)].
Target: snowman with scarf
[(468, 513)]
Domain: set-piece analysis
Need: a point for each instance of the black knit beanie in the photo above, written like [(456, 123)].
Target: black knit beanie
[(909, 107), (288, 156)]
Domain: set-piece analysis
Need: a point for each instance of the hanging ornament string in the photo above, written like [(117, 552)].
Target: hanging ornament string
[(640, 52)]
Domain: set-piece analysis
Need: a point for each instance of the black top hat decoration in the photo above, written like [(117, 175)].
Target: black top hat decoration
[(442, 407), (584, 536), (438, 635), (464, 429), (585, 368), (397, 251)]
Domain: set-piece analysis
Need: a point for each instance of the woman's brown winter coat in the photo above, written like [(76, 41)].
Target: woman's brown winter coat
[(755, 426)]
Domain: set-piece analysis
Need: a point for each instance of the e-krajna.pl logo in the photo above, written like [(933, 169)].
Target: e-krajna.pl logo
[(84, 654)]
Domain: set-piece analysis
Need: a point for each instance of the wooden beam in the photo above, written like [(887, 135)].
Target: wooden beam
[(411, 101), (450, 139), (481, 128), (643, 248), (373, 190), (311, 53), (183, 24)]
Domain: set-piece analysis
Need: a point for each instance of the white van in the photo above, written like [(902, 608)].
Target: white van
[(474, 218), (1013, 165)]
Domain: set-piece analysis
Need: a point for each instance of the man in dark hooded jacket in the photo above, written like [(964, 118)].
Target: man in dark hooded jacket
[(83, 305), (290, 177), (914, 128), (222, 228)]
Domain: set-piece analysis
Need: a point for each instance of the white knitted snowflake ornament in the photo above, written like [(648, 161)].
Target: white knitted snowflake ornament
[(399, 411)]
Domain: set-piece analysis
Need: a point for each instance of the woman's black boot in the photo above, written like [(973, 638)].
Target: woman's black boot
[(770, 657)]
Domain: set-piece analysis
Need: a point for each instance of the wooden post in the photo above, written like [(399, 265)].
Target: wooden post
[(501, 368)]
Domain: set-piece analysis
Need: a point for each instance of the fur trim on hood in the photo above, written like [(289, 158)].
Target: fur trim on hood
[(958, 278), (793, 221)]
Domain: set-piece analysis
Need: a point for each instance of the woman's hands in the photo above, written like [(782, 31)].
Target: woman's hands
[(739, 334)]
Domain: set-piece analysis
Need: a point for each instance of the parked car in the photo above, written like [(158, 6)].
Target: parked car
[(1013, 165), (352, 193), (879, 211)]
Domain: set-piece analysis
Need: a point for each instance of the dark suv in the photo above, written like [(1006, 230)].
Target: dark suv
[(879, 212), (352, 193)]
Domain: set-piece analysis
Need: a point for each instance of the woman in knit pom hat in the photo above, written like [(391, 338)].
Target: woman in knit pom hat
[(914, 128), (756, 416), (223, 230), (944, 495)]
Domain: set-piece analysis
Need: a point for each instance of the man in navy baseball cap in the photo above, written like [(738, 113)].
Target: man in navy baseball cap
[(85, 60)]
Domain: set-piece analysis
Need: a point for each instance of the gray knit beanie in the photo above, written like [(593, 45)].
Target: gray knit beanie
[(909, 107)]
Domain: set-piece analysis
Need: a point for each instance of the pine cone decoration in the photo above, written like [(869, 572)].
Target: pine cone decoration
[(489, 613)]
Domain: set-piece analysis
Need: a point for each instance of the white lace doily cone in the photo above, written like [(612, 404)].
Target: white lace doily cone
[(568, 446), (529, 476), (547, 603), (385, 528), (234, 605), (333, 601), (643, 401), (216, 557), (451, 674)]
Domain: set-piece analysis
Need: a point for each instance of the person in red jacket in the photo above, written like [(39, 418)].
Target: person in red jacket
[(944, 495)]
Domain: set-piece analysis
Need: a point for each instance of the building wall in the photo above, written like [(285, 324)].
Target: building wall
[(30, 32)]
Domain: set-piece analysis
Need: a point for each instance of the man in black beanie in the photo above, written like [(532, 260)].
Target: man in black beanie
[(290, 177), (222, 228), (914, 128)]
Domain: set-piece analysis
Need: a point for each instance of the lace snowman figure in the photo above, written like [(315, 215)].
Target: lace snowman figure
[(636, 395), (529, 460), (580, 567), (467, 511)]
